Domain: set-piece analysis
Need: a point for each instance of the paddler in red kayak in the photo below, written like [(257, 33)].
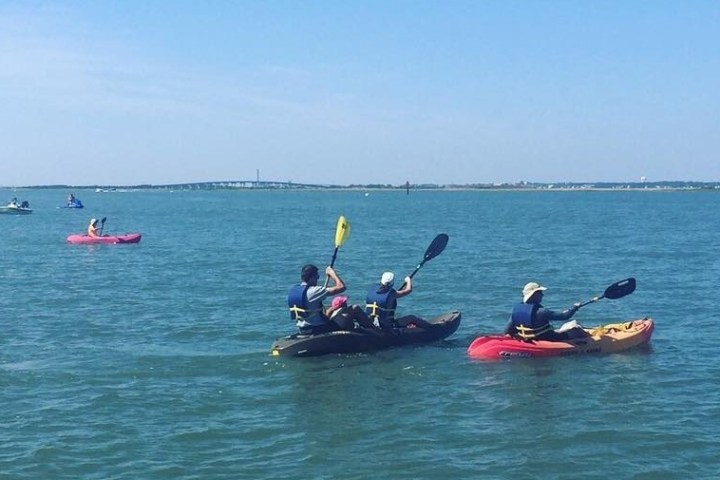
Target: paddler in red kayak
[(531, 321)]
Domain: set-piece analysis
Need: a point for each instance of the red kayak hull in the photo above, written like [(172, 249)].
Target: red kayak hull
[(105, 239), (611, 338)]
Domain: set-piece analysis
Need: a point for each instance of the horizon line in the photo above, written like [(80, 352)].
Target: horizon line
[(269, 184)]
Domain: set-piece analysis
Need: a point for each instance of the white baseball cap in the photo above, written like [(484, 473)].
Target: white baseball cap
[(387, 278)]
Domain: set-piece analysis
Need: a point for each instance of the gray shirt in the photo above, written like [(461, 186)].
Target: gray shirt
[(316, 316)]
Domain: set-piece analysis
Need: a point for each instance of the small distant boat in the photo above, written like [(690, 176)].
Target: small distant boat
[(106, 190), (16, 209), (78, 239)]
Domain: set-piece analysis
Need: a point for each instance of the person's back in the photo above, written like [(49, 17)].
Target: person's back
[(530, 321), (92, 228), (381, 301), (305, 300), (526, 324)]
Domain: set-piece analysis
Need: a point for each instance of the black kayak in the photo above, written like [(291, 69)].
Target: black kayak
[(362, 340)]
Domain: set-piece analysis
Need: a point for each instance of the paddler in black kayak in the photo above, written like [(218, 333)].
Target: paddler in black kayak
[(381, 304), (381, 301), (305, 300), (348, 317), (531, 321)]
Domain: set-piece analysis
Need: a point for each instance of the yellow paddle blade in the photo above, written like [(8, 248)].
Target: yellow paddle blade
[(342, 231)]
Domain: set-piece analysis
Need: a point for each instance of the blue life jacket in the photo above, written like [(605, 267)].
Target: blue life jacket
[(300, 307), (297, 302), (381, 304), (525, 321)]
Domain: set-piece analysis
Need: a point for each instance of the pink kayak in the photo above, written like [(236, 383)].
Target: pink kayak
[(610, 338), (111, 239)]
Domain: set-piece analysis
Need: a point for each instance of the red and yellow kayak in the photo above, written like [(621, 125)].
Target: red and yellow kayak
[(610, 338)]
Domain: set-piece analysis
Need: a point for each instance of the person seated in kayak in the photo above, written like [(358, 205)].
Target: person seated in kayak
[(92, 230), (71, 200), (381, 304), (381, 301), (305, 300), (13, 203), (531, 321), (25, 204), (348, 317)]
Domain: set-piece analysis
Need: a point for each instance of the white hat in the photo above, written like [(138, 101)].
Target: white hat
[(387, 278), (93, 221), (531, 288)]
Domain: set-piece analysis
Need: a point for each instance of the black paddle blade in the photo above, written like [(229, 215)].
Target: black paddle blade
[(437, 246), (102, 220), (620, 289)]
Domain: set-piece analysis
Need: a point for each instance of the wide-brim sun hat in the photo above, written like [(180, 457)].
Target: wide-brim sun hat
[(530, 288), (339, 301), (387, 278)]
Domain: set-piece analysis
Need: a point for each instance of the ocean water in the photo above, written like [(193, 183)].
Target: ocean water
[(151, 361)]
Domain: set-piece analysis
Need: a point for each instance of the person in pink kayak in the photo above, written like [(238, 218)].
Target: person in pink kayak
[(531, 321), (92, 229)]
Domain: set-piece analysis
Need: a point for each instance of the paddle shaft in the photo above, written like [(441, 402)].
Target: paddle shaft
[(592, 300), (332, 262), (417, 269)]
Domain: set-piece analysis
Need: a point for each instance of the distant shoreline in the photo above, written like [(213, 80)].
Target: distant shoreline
[(520, 187)]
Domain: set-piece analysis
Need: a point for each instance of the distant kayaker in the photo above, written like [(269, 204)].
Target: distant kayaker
[(305, 300), (382, 300), (531, 321), (92, 230), (71, 199), (347, 316)]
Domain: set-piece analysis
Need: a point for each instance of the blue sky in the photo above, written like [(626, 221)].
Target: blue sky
[(128, 92)]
